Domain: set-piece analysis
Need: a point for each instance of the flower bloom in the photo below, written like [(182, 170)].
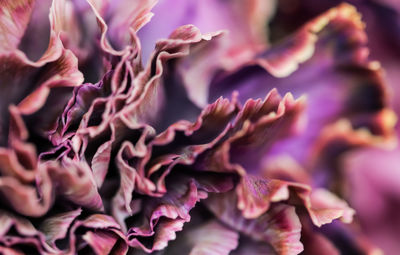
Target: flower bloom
[(220, 143)]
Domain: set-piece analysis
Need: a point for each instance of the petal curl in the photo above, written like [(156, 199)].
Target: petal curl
[(334, 44)]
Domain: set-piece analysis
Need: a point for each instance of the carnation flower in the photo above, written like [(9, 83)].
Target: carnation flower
[(188, 133)]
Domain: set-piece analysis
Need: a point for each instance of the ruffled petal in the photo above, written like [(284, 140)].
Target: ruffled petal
[(280, 227), (340, 138), (162, 217), (142, 145), (258, 124), (16, 72), (56, 227), (118, 23), (31, 191), (25, 236), (255, 196), (333, 44), (245, 21), (101, 234)]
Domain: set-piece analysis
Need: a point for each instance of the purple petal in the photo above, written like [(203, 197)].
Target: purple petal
[(316, 243), (343, 91), (257, 126), (249, 246), (373, 179), (129, 19), (245, 21)]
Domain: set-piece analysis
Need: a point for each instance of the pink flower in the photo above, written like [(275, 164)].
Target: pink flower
[(194, 152)]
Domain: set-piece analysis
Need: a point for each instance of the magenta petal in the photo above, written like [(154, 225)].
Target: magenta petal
[(123, 20), (337, 48), (373, 177), (19, 162), (246, 35), (179, 175), (316, 243), (340, 138), (245, 21), (156, 88)]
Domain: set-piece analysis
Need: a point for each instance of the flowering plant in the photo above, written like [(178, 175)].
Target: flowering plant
[(126, 134)]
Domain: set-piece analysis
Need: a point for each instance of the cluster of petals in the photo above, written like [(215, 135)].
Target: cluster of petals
[(190, 132)]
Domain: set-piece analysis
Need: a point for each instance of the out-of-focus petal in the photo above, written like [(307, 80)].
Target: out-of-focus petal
[(333, 44), (284, 168), (373, 177), (316, 243), (212, 238), (14, 18), (249, 246), (19, 233), (34, 193), (340, 138), (348, 239), (16, 77), (119, 21), (246, 21), (19, 162), (24, 198), (28, 84), (285, 58), (381, 17)]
